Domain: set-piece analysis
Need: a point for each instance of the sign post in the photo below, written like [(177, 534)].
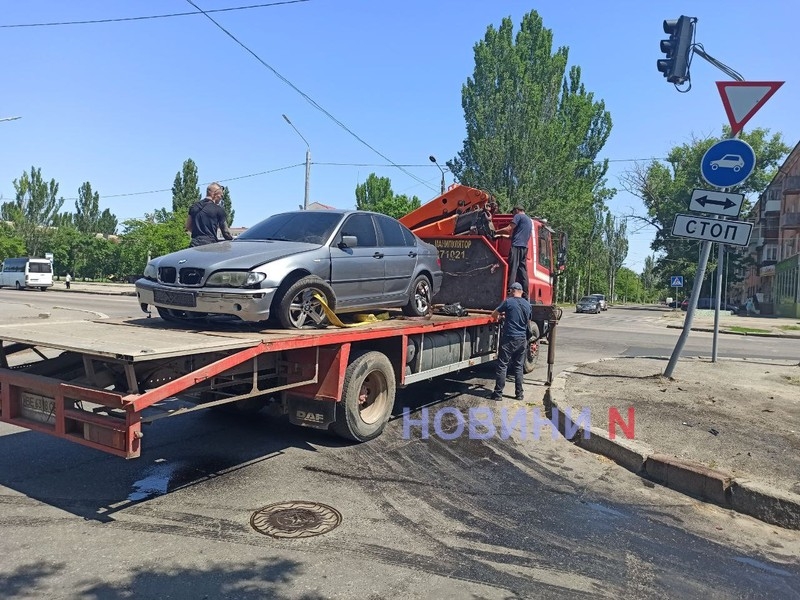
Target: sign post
[(676, 281)]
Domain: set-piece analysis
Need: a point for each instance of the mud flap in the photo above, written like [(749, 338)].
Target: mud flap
[(305, 412)]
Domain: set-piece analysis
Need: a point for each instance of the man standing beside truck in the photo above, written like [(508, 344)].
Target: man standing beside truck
[(513, 341), (521, 229)]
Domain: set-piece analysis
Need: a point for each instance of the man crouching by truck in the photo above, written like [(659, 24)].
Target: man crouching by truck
[(513, 341)]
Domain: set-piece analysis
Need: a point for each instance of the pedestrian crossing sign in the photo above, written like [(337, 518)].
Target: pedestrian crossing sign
[(676, 281)]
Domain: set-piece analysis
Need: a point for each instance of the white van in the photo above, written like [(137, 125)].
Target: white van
[(22, 273)]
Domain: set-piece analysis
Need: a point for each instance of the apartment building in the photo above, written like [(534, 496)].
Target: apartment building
[(773, 277)]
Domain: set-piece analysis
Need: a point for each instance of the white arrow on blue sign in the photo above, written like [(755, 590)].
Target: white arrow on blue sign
[(728, 163), (676, 281)]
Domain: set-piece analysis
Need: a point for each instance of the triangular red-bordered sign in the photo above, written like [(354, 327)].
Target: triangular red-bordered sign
[(743, 99)]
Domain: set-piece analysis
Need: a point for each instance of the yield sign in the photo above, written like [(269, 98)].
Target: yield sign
[(743, 99)]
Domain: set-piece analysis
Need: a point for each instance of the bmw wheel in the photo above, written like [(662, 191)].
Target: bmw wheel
[(419, 301)]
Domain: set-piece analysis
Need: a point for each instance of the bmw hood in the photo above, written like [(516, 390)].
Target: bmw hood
[(233, 255)]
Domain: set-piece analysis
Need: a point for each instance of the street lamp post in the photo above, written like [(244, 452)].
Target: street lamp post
[(308, 161), (433, 160)]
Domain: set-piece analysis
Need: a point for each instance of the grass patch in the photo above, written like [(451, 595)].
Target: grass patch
[(789, 327), (738, 329)]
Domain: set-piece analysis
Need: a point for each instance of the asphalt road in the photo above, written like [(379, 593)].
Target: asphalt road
[(421, 518)]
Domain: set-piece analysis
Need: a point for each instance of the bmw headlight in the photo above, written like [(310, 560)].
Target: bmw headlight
[(150, 271), (235, 279)]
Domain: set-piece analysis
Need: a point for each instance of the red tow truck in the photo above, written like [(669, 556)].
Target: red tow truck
[(99, 384)]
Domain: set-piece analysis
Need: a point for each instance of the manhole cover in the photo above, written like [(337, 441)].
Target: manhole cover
[(296, 519)]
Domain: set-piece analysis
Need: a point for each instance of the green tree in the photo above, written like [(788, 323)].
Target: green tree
[(35, 208), (228, 205), (665, 188), (629, 286), (87, 209), (11, 244), (376, 194), (649, 279), (616, 248), (185, 189), (143, 237), (107, 223), (534, 132)]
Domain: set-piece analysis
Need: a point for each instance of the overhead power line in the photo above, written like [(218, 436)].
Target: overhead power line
[(148, 17), (308, 98)]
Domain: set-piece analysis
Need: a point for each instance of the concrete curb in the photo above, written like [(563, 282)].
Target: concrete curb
[(755, 334), (758, 500), (94, 292)]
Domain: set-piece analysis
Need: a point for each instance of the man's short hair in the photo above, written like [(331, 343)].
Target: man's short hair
[(213, 187), (519, 208)]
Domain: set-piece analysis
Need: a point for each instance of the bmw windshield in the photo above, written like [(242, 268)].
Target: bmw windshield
[(314, 227)]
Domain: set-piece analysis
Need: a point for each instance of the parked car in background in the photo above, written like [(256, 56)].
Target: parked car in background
[(26, 272), (588, 304), (601, 299), (355, 260)]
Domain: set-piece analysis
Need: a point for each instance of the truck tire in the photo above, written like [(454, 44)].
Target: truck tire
[(17, 285), (532, 351), (419, 299), (297, 306), (367, 397)]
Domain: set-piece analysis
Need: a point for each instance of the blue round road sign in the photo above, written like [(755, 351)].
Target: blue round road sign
[(728, 163)]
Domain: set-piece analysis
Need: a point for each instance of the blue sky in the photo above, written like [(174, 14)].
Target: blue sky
[(122, 105)]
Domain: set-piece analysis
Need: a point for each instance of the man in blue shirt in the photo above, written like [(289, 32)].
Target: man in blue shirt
[(521, 229), (513, 341)]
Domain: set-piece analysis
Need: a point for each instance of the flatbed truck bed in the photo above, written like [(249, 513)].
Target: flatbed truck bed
[(98, 382)]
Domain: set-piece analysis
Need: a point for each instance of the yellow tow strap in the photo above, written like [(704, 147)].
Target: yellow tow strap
[(363, 319)]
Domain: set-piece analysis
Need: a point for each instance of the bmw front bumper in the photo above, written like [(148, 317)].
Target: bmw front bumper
[(248, 305)]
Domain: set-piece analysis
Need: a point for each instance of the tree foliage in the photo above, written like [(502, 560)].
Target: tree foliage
[(185, 188), (616, 248), (143, 238), (534, 132), (227, 204), (107, 223), (87, 209), (35, 208), (376, 194), (11, 244)]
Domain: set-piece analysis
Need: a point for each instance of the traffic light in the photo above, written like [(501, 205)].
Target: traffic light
[(675, 66)]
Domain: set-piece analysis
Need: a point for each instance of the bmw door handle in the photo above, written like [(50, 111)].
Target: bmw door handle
[(378, 255), (412, 254)]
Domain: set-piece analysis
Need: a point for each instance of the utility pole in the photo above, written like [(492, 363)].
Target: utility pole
[(308, 162)]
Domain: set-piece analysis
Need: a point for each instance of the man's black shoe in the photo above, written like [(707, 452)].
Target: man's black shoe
[(495, 396), (520, 397)]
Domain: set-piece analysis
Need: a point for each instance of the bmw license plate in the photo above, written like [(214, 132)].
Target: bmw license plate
[(175, 298)]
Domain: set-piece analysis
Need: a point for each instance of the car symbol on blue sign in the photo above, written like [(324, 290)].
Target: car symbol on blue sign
[(728, 163)]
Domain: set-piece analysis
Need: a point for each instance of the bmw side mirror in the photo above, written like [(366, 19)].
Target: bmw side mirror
[(348, 241)]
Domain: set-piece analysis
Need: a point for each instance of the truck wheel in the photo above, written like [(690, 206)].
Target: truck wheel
[(419, 301), (43, 288), (532, 351), (17, 285), (299, 309), (367, 397)]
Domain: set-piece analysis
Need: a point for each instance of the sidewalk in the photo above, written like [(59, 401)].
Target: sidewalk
[(85, 287), (735, 324), (725, 432)]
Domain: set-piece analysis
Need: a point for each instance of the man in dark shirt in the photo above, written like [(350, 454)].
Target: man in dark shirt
[(521, 229), (513, 341), (206, 216)]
